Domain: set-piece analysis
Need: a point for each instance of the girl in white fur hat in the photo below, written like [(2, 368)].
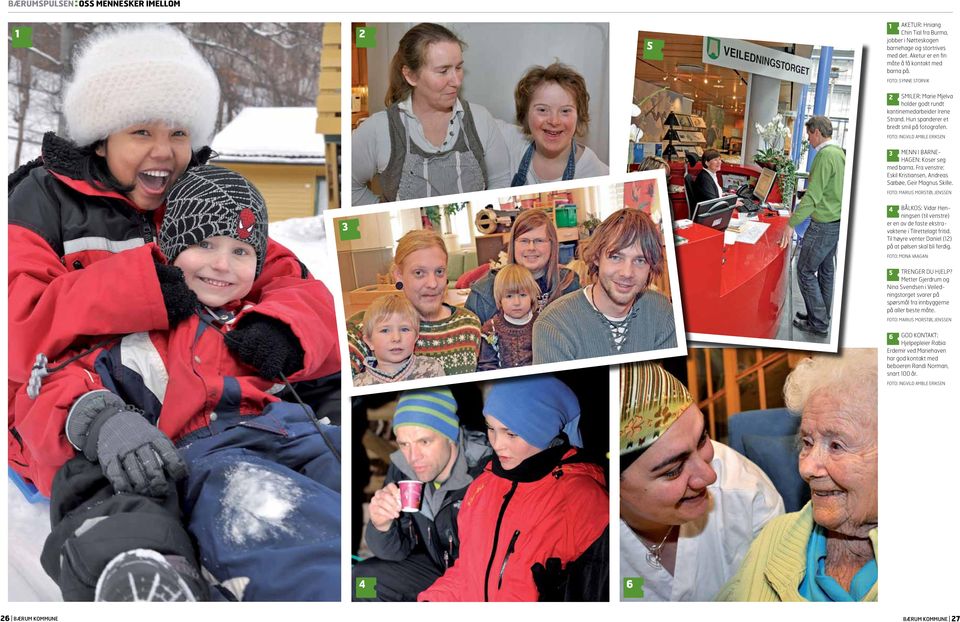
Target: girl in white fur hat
[(83, 267)]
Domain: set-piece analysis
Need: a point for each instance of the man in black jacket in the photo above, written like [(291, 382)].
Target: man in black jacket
[(413, 549)]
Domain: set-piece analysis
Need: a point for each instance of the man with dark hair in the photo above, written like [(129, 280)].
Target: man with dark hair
[(821, 203), (617, 314)]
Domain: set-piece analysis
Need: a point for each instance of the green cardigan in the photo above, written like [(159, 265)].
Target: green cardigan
[(824, 193), (777, 561)]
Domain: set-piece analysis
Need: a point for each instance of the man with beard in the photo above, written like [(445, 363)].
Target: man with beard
[(617, 313)]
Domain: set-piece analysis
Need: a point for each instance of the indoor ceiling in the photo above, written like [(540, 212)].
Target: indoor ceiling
[(683, 71)]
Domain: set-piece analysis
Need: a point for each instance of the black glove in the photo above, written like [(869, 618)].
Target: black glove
[(132, 453), (266, 344), (551, 580), (179, 299)]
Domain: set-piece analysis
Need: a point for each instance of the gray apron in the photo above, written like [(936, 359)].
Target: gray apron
[(413, 173)]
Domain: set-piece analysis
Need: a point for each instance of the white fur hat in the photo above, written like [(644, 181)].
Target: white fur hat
[(140, 74)]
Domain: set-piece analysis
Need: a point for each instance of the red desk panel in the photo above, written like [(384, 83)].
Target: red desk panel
[(736, 290)]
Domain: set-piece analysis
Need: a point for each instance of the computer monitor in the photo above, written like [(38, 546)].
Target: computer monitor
[(764, 185), (715, 213)]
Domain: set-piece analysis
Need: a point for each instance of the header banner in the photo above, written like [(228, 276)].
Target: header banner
[(746, 56)]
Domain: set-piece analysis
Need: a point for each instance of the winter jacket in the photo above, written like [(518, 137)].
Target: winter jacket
[(435, 525), (191, 364), (553, 505), (81, 270)]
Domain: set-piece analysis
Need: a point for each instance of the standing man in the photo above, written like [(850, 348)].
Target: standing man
[(617, 314), (815, 267), (413, 549)]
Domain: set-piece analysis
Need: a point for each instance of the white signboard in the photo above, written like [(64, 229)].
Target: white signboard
[(745, 56)]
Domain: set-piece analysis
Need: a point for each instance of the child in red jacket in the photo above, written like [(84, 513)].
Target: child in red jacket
[(538, 505), (260, 477)]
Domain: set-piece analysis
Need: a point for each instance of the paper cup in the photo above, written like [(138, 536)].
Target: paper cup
[(410, 493)]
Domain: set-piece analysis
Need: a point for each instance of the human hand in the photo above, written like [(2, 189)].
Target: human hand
[(266, 344), (133, 454), (180, 301), (551, 580), (385, 507), (784, 240)]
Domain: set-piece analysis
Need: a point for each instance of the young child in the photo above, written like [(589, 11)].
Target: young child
[(391, 326), (507, 337), (260, 495)]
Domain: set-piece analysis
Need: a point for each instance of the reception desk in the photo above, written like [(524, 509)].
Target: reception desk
[(735, 290)]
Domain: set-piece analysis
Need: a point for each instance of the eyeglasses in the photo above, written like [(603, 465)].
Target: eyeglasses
[(528, 242)]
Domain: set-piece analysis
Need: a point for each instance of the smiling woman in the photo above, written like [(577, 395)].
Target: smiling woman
[(828, 550), (553, 109), (145, 159), (689, 506), (535, 246), (86, 278)]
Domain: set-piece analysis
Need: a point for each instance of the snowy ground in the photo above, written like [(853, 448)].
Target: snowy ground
[(29, 524)]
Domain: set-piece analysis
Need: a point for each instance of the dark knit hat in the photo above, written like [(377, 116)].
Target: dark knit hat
[(208, 201)]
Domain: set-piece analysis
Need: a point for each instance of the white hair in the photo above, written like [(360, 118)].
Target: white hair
[(850, 376)]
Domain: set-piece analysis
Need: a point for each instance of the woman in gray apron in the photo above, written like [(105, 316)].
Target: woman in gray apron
[(552, 112), (429, 141)]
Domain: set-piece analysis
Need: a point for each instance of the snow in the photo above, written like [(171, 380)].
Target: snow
[(256, 503), (29, 524), (305, 237), (271, 135)]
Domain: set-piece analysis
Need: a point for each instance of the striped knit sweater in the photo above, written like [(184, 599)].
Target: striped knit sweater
[(570, 328), (777, 562), (454, 341)]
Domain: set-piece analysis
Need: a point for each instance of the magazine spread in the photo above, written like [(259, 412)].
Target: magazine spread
[(320, 306)]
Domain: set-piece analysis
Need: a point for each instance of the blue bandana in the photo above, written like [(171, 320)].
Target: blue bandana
[(537, 408)]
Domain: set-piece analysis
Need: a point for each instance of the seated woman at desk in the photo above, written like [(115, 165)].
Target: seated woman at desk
[(706, 186)]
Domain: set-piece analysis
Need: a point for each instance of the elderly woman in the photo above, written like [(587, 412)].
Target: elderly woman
[(428, 142), (447, 333), (553, 110), (689, 506), (828, 550), (533, 245), (536, 501)]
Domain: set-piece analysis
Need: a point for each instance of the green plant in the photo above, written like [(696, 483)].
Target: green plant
[(773, 136), (786, 170), (452, 208), (591, 223)]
